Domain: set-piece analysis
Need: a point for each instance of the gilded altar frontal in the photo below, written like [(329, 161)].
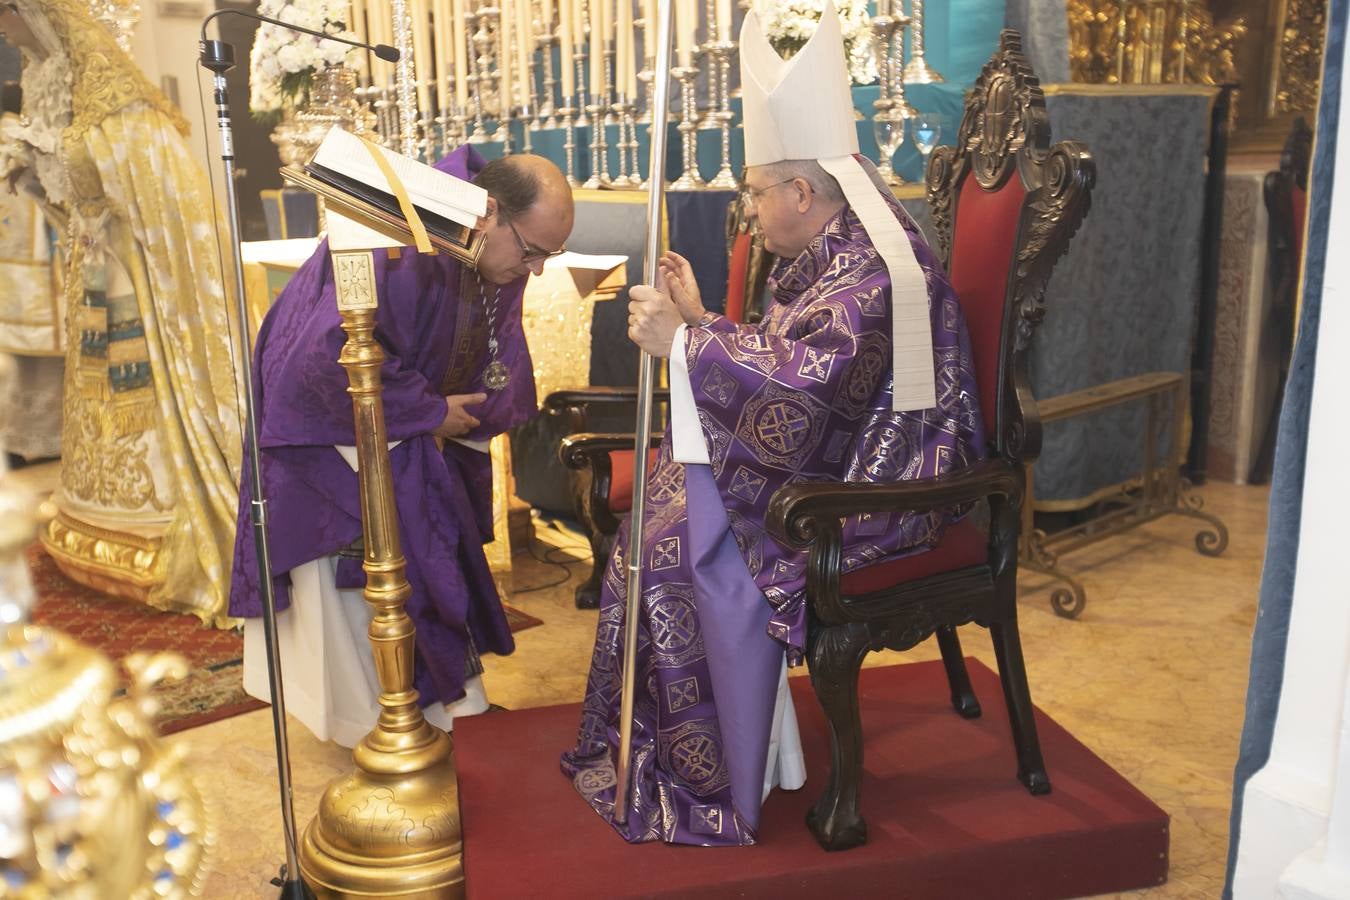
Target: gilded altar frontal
[(633, 448)]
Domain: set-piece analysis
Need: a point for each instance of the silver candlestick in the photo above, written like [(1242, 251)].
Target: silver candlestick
[(608, 72), (720, 70), (645, 78), (481, 78), (882, 28), (569, 144), (621, 143), (918, 71), (599, 149), (406, 78), (630, 175), (548, 111), (690, 179), (897, 68), (582, 99)]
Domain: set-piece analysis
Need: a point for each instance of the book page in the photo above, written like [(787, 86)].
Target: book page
[(429, 188)]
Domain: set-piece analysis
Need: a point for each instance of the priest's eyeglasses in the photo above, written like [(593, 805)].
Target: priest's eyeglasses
[(752, 195), (530, 254)]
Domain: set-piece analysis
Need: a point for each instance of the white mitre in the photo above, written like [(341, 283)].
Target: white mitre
[(802, 108)]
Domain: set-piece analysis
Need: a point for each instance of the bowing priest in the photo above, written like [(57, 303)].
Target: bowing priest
[(457, 373), (861, 370)]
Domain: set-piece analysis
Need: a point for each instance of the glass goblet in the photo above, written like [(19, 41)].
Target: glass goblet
[(926, 129), (888, 127)]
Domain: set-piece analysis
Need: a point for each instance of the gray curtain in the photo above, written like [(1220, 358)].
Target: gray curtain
[(1271, 633)]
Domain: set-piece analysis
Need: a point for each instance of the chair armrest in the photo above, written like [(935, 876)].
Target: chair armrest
[(797, 511), (580, 451), (561, 400)]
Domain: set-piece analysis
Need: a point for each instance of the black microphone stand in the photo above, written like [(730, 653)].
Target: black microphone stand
[(218, 58)]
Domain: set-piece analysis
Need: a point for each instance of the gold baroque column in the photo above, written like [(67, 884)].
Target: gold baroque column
[(392, 826)]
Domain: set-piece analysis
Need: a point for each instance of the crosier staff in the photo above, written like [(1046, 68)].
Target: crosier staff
[(656, 182)]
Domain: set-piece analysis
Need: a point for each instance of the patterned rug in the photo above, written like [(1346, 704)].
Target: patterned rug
[(213, 689)]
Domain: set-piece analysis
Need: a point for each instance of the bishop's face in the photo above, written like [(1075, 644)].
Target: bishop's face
[(515, 247), (780, 207)]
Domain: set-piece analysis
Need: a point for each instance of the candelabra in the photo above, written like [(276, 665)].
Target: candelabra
[(689, 179), (599, 148), (918, 71), (883, 26), (719, 72), (569, 143), (582, 101)]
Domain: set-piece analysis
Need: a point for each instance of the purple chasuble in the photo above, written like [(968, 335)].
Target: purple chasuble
[(804, 395), (431, 323)]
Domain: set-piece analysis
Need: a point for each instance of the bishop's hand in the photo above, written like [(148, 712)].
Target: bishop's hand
[(653, 318), (683, 287)]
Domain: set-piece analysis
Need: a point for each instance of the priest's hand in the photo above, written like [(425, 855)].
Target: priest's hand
[(682, 286), (458, 420), (652, 319)]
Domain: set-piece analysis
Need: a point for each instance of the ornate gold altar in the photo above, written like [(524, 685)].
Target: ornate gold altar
[(1176, 41)]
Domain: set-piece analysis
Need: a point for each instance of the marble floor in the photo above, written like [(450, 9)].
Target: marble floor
[(1151, 677)]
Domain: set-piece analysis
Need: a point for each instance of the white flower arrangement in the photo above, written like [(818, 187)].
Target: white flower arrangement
[(283, 62), (789, 24)]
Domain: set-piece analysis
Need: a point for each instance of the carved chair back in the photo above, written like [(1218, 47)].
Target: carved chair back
[(1005, 204)]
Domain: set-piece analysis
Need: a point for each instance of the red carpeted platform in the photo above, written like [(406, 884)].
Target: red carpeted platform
[(946, 816)]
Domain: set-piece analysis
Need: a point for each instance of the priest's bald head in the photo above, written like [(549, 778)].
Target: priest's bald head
[(529, 216)]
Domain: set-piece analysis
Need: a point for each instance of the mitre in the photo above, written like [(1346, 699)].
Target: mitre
[(802, 108)]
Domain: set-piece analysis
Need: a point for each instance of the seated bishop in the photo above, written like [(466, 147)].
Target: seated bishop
[(457, 372), (861, 370)]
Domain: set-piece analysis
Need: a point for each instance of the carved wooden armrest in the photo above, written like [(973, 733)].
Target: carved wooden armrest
[(801, 513), (589, 450)]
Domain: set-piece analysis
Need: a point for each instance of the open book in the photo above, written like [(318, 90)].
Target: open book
[(345, 174)]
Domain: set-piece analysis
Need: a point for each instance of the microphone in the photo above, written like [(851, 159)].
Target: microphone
[(219, 56)]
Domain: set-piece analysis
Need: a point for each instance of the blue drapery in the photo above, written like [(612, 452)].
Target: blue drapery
[(1270, 636)]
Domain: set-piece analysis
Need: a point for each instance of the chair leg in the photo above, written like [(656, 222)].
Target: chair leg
[(1012, 672), (835, 657), (588, 592), (963, 695)]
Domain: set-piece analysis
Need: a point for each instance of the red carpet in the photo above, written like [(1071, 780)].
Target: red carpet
[(214, 687), (946, 816)]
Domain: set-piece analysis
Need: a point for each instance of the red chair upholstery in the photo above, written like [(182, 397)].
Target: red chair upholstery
[(1005, 205)]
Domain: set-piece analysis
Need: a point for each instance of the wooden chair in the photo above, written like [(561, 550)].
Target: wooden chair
[(601, 464), (1286, 196), (1005, 204)]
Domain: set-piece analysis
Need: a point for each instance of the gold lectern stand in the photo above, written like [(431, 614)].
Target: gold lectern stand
[(391, 827)]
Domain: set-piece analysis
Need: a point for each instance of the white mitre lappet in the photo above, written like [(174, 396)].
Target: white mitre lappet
[(802, 108)]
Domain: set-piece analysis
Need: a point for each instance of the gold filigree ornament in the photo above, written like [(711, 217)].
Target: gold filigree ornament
[(92, 803)]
